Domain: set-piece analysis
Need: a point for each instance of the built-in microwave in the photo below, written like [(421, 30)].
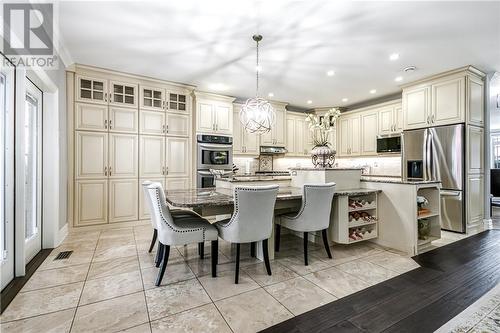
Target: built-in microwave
[(389, 143)]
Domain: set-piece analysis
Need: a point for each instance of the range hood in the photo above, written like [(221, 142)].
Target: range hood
[(272, 150)]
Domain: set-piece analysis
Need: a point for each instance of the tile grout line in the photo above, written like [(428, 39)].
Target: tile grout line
[(83, 287), (142, 280)]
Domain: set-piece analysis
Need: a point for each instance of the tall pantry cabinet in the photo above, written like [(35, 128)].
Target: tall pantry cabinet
[(123, 130)]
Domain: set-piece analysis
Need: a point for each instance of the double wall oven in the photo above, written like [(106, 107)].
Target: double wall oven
[(213, 152)]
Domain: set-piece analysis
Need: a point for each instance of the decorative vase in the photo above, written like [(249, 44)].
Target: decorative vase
[(323, 156)]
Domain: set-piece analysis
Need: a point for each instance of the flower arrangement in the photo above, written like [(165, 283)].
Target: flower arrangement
[(320, 126)]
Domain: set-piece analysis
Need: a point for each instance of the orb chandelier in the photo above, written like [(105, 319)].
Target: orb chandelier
[(257, 115)]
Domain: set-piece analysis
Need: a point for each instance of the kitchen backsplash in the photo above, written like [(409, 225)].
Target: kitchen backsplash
[(387, 165)]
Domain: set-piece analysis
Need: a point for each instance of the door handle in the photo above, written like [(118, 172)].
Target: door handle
[(450, 193)]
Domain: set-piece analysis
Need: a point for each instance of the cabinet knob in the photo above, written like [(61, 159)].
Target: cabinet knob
[(105, 171), (109, 171), (110, 124), (105, 123)]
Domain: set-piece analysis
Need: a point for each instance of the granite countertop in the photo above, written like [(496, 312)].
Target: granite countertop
[(322, 169), (252, 178), (202, 197), (396, 180)]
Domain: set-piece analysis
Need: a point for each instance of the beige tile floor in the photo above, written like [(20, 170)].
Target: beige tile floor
[(107, 285)]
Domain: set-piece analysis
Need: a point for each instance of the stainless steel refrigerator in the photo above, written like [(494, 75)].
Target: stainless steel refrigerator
[(438, 153)]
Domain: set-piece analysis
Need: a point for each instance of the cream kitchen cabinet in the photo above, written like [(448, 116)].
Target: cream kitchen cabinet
[(176, 183), (416, 107), (349, 135), (91, 155), (277, 135), (177, 102), (475, 149), (214, 114), (91, 117), (244, 143), (475, 93), (369, 130), (177, 124), (123, 94), (475, 199), (152, 122), (123, 153), (151, 156), (297, 142), (123, 120), (448, 101), (177, 157), (123, 200), (152, 98), (91, 202), (91, 90), (390, 120)]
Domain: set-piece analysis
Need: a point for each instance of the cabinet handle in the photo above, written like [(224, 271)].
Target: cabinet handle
[(167, 128), (163, 128), (216, 127), (428, 119), (167, 170), (105, 97), (105, 171), (110, 124), (163, 170), (433, 118), (105, 123), (109, 171)]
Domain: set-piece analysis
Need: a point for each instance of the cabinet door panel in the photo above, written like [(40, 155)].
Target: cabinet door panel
[(91, 202), (300, 139), (398, 118), (143, 205), (386, 121), (251, 143), (205, 117), (224, 119), (476, 101), (151, 156), (123, 94), (290, 136), (343, 136), (123, 156), (92, 117), (177, 124), (368, 133), (475, 149), (91, 154), (152, 98), (355, 135), (91, 90), (152, 122), (475, 201), (177, 183), (177, 154), (279, 129), (416, 108), (448, 102), (123, 200), (123, 120), (237, 132)]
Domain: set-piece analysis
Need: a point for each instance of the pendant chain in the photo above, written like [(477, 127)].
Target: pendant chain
[(257, 72)]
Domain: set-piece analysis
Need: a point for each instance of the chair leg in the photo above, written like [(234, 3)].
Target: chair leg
[(325, 242), (201, 250), (266, 256), (305, 248), (215, 257), (277, 238), (159, 254), (164, 262), (237, 272), (153, 241), (252, 249)]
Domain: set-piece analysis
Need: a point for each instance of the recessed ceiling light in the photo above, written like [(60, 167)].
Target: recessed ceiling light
[(344, 99), (309, 102), (270, 94), (394, 56), (398, 79), (330, 73), (373, 91)]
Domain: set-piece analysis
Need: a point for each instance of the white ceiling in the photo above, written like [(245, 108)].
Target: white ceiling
[(208, 43)]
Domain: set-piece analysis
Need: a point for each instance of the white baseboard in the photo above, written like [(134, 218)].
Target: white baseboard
[(61, 235)]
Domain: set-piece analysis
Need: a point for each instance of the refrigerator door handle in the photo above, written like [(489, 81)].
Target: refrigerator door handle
[(426, 157), (450, 193)]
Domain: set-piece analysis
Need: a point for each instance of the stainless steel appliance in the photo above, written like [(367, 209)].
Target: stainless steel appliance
[(389, 143), (438, 153), (271, 150), (213, 152)]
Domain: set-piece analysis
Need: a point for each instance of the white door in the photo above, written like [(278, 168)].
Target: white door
[(91, 202), (124, 120), (91, 155), (32, 170), (224, 119), (6, 176), (152, 122), (151, 156), (123, 94), (91, 90), (205, 117), (123, 200), (177, 124), (91, 117), (123, 156), (177, 154)]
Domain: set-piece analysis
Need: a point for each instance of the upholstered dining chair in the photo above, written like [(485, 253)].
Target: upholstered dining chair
[(175, 212), (174, 231), (252, 220), (314, 215)]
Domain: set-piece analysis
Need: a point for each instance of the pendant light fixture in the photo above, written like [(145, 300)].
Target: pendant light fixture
[(257, 115)]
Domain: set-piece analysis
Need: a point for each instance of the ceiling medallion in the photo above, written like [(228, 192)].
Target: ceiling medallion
[(257, 115)]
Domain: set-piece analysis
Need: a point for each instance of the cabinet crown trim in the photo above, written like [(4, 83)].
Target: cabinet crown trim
[(211, 96), (466, 70)]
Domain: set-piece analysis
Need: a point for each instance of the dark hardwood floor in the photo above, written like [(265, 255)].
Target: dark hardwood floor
[(450, 279)]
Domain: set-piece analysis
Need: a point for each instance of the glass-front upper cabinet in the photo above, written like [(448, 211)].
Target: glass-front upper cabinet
[(152, 98), (92, 90), (123, 94), (177, 102)]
